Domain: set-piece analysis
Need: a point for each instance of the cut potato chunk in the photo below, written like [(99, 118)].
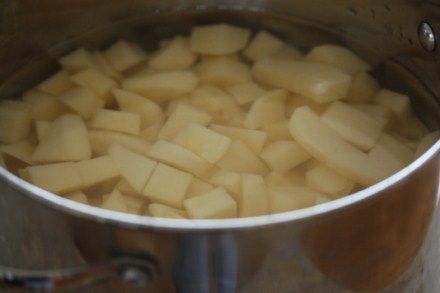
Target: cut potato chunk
[(283, 155), (204, 142), (59, 178), (182, 116), (323, 143), (174, 56), (326, 180), (76, 61), (396, 148), (285, 199), (254, 139), (44, 106), (338, 56), (124, 55), (104, 66), (135, 204), (179, 157), (381, 114), (253, 200), (245, 93), (101, 140), (410, 127), (82, 101), (77, 196), (162, 86), (262, 45), (214, 101), (231, 181), (65, 140), (116, 121), (57, 84), (124, 187), (41, 128), (21, 150), (198, 187), (391, 164), (239, 158), (274, 179), (95, 81), (151, 113), (363, 88), (287, 52), (151, 132), (168, 186), (357, 127), (115, 202), (97, 170), (277, 131), (295, 101), (218, 39), (223, 71), (214, 204), (267, 109), (164, 211), (135, 169), (426, 142), (321, 82), (399, 104), (15, 121)]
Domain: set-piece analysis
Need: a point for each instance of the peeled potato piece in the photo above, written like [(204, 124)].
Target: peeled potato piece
[(283, 155), (66, 140), (355, 126), (267, 109), (323, 143), (59, 178), (150, 112), (262, 45), (253, 200), (135, 168), (214, 204), (204, 142), (124, 55), (168, 186), (218, 39), (15, 121), (239, 158), (338, 56), (164, 211), (97, 170), (179, 157), (320, 82), (162, 86), (174, 56), (284, 199)]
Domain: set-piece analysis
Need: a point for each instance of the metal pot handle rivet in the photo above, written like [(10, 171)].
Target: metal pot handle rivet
[(427, 37)]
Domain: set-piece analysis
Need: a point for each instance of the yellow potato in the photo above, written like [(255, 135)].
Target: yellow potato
[(320, 82), (218, 39)]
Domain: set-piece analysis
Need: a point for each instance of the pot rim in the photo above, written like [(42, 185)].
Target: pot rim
[(100, 215)]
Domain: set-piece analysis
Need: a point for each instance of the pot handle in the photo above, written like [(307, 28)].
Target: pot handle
[(132, 270)]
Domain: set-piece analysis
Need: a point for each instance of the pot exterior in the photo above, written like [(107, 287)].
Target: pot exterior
[(387, 242)]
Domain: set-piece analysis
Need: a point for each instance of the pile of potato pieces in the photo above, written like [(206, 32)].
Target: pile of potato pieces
[(217, 124)]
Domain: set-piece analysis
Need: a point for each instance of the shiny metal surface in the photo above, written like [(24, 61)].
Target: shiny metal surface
[(369, 241)]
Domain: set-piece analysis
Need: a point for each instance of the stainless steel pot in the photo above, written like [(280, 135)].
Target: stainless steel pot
[(374, 240)]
